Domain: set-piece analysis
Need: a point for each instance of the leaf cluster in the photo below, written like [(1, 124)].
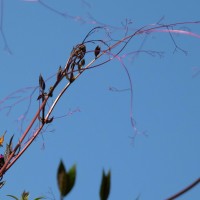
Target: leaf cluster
[(66, 181), (24, 196)]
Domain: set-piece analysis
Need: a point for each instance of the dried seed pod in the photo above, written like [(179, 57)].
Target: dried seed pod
[(41, 82), (67, 77), (72, 78), (82, 47), (2, 161), (81, 64), (49, 120), (51, 91), (59, 73), (97, 51), (40, 96), (2, 183)]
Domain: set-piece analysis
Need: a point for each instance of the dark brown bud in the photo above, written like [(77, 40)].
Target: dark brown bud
[(97, 51)]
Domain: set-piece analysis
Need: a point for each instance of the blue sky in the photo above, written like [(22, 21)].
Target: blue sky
[(97, 135)]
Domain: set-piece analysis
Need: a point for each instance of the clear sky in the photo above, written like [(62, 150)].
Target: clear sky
[(96, 133)]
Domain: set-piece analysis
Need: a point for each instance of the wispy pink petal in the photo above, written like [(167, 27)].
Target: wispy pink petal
[(177, 31)]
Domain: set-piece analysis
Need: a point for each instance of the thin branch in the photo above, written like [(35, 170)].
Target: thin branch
[(78, 54), (186, 189)]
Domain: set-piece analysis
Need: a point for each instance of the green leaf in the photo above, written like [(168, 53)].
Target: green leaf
[(25, 195), (105, 186), (65, 179), (14, 197), (38, 198), (71, 176), (61, 178)]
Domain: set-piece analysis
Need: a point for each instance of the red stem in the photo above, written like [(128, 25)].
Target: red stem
[(6, 165)]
